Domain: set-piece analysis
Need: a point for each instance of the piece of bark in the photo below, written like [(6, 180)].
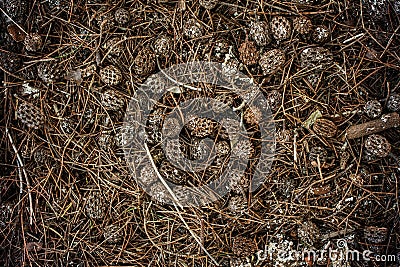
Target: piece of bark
[(385, 122)]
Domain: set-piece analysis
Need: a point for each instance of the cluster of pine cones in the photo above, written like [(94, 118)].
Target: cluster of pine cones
[(69, 68)]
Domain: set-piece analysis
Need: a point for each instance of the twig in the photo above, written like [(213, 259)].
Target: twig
[(385, 122), (20, 165), (13, 21)]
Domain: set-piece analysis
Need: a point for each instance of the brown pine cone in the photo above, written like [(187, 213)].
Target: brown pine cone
[(113, 100), (272, 61), (248, 53), (30, 115), (122, 16), (243, 246), (33, 42), (280, 28), (145, 62), (111, 75), (377, 145), (325, 128), (373, 109), (260, 33), (302, 25)]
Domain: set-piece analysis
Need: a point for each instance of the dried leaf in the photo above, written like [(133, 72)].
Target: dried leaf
[(313, 117)]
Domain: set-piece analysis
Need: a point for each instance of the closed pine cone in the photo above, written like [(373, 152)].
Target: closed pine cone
[(248, 53), (243, 246), (145, 62), (280, 28), (30, 115), (111, 75)]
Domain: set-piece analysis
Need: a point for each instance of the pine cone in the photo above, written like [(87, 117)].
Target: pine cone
[(122, 16), (111, 75), (112, 234), (302, 25), (373, 109), (321, 34), (325, 128), (33, 42), (280, 28), (113, 100), (113, 47), (248, 53), (10, 62), (260, 33), (30, 115), (48, 71), (317, 153), (162, 45), (192, 29), (243, 246), (208, 4), (95, 206), (393, 103), (272, 61), (377, 145), (145, 62), (315, 58)]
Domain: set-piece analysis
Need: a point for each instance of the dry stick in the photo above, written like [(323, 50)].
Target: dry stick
[(13, 21), (20, 165), (385, 122)]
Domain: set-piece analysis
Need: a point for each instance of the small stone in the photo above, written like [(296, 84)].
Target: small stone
[(111, 75), (145, 62), (377, 145), (272, 61), (325, 127), (248, 53), (122, 16), (162, 45), (30, 115), (280, 28), (260, 33), (33, 42), (321, 34), (393, 103), (192, 29), (208, 4), (243, 246), (302, 25), (373, 109)]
